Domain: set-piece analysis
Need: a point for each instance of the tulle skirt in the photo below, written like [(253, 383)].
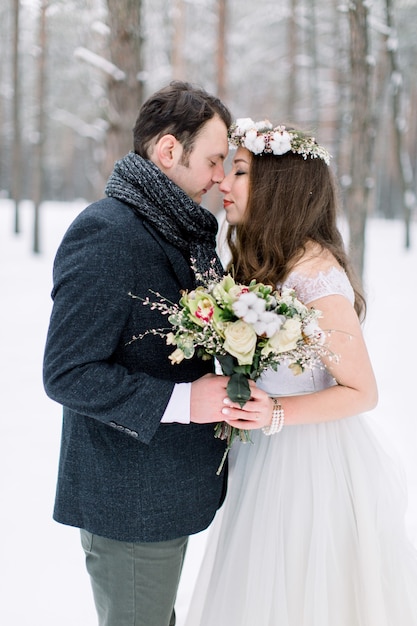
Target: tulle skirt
[(312, 533)]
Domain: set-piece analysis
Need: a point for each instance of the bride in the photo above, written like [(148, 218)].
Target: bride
[(312, 531)]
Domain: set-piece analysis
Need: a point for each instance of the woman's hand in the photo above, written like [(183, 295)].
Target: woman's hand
[(256, 413)]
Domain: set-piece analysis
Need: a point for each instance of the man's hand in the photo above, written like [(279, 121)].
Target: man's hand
[(207, 395)]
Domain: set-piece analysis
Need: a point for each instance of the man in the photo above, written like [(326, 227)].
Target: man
[(137, 471)]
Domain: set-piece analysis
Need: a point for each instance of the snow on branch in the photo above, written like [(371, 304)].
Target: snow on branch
[(94, 131), (83, 54)]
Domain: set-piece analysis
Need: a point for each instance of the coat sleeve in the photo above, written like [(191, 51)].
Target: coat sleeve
[(84, 369)]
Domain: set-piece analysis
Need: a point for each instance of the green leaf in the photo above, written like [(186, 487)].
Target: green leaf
[(227, 363), (238, 388), (188, 351)]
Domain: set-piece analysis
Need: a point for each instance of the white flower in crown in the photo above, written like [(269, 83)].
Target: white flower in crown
[(280, 142), (261, 137), (254, 142), (244, 124), (263, 125)]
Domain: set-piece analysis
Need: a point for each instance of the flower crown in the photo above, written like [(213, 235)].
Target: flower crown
[(262, 137)]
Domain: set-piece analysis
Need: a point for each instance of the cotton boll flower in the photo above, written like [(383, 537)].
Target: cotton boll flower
[(253, 142), (246, 301), (249, 307), (263, 125), (259, 328), (251, 317), (243, 124), (280, 143), (258, 304), (268, 324)]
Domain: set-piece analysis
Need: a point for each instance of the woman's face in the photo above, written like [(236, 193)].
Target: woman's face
[(235, 187)]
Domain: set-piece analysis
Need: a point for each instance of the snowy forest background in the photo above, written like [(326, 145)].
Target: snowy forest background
[(73, 74)]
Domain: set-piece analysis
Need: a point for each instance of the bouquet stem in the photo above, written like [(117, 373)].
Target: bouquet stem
[(229, 433), (222, 462)]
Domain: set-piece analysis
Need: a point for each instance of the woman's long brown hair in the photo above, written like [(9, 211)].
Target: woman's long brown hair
[(292, 201)]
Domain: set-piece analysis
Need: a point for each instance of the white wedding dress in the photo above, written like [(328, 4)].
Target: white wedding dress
[(312, 531)]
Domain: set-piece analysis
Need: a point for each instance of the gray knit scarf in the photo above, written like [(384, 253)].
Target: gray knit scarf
[(153, 196)]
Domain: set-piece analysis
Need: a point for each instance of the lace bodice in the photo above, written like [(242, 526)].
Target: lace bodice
[(330, 283), (283, 382)]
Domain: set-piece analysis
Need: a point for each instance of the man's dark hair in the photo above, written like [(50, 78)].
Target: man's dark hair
[(180, 109)]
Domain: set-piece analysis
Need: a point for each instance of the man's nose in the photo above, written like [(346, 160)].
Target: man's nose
[(224, 185), (218, 174)]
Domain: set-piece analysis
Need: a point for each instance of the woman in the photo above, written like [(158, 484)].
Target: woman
[(312, 530)]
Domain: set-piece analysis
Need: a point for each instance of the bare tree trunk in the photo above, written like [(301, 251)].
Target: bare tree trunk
[(313, 77), (361, 132), (178, 62), (125, 88), (38, 152), (292, 68), (401, 153), (221, 49), (17, 139), (339, 79)]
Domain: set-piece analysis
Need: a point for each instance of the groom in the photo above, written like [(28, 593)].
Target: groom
[(137, 470)]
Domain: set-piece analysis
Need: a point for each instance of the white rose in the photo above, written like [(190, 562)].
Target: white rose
[(285, 339), (240, 341)]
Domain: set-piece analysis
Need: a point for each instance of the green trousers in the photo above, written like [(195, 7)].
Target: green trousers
[(134, 584)]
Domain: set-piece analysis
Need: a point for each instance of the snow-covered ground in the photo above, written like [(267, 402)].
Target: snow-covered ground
[(42, 573)]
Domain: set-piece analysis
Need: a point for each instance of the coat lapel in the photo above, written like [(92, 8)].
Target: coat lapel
[(179, 263)]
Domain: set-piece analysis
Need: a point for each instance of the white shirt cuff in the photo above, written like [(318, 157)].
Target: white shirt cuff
[(178, 407)]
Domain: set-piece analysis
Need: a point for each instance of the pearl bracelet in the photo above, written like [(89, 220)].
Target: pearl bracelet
[(278, 419)]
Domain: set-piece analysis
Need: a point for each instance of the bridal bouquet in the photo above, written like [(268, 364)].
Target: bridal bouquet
[(247, 328)]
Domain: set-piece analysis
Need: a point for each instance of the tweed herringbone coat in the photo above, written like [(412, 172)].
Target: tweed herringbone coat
[(123, 474)]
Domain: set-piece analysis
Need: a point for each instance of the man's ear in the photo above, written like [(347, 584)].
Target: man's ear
[(167, 151)]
